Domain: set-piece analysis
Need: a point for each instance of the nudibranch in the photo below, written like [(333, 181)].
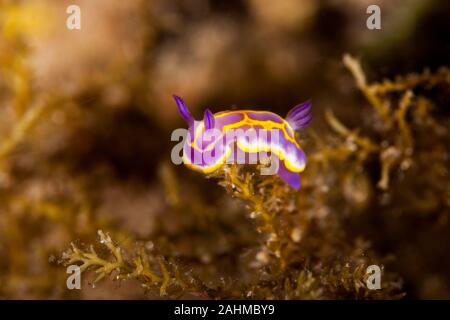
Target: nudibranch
[(208, 145)]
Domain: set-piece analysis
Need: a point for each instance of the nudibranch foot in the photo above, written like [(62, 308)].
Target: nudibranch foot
[(291, 178)]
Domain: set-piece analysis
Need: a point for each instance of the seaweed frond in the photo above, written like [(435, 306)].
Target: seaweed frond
[(150, 271)]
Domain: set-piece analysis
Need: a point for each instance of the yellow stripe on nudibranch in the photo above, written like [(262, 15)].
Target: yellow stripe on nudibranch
[(208, 169), (268, 125), (279, 152)]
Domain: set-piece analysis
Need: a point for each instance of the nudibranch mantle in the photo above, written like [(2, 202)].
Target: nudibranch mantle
[(224, 136)]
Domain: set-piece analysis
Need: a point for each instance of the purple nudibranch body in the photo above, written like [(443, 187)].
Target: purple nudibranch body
[(254, 132)]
